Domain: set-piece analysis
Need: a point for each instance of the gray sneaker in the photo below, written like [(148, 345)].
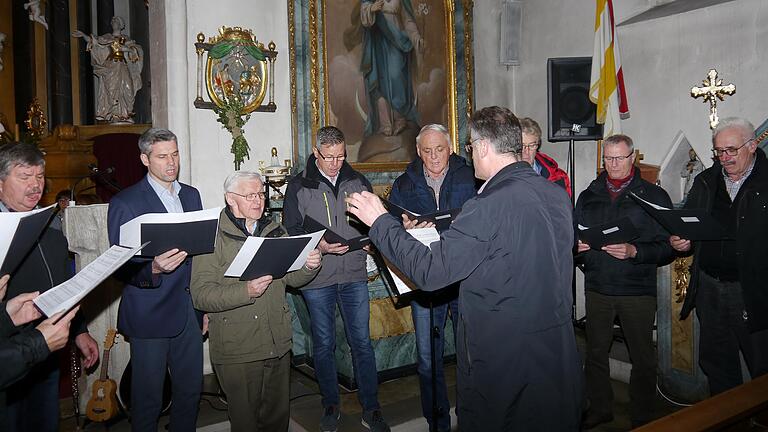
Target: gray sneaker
[(374, 421), (330, 420)]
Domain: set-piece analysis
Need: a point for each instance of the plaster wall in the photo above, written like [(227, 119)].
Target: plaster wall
[(662, 59), (208, 159)]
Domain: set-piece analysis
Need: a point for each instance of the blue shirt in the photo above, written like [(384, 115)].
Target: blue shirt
[(170, 200)]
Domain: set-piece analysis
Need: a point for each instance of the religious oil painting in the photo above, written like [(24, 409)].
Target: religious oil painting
[(384, 69), (387, 74)]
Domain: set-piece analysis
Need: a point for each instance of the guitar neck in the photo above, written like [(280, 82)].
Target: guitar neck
[(103, 374)]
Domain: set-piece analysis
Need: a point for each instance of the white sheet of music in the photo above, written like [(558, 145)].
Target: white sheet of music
[(66, 295), (252, 244), (9, 221), (130, 232), (426, 236)]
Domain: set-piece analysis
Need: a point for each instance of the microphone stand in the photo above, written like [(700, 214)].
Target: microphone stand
[(95, 175), (434, 333)]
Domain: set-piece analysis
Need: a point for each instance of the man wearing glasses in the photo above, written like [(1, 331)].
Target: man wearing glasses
[(319, 192), (620, 281), (250, 322), (544, 165), (510, 249), (728, 276)]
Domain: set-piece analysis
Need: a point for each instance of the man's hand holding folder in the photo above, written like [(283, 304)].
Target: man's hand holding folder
[(332, 242)]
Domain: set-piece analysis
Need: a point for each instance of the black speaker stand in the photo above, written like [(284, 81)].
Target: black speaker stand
[(571, 172)]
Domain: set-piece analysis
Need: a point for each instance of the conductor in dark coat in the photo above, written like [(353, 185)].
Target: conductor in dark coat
[(511, 249)]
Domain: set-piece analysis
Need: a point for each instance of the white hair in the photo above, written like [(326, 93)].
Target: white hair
[(237, 176)]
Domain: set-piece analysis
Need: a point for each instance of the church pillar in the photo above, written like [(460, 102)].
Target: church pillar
[(139, 17), (59, 68), (84, 71), (169, 47), (106, 10)]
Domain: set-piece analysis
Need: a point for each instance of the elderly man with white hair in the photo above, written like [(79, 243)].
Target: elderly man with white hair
[(250, 322), (728, 276)]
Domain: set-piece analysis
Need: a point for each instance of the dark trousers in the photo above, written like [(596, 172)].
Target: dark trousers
[(183, 356), (257, 394), (33, 401), (724, 332), (443, 300), (636, 316)]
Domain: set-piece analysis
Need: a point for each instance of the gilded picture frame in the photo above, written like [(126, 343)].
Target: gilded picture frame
[(337, 77)]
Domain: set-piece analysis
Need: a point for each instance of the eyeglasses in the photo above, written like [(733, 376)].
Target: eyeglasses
[(468, 146), (730, 151), (331, 158), (530, 147), (252, 196), (609, 159)]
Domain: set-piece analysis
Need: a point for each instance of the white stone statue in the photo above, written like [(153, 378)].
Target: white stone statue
[(35, 13), (2, 49), (690, 170), (117, 62)]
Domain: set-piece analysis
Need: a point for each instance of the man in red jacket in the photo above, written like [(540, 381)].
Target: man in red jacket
[(541, 163)]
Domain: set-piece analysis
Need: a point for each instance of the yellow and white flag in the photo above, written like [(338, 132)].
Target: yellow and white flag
[(606, 87)]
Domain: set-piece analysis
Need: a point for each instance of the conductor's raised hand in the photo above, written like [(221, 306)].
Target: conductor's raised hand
[(256, 287), (21, 309), (55, 329), (366, 206), (314, 259), (168, 261), (332, 248), (679, 244)]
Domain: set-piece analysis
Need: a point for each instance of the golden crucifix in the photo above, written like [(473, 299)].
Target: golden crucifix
[(712, 90)]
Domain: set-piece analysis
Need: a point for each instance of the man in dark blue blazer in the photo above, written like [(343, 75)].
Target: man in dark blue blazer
[(156, 310)]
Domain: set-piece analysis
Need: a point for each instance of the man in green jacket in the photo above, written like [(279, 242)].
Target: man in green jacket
[(250, 323)]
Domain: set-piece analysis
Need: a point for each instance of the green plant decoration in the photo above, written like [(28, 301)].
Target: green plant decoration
[(231, 116)]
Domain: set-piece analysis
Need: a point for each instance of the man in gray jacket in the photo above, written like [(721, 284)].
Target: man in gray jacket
[(319, 192), (511, 249)]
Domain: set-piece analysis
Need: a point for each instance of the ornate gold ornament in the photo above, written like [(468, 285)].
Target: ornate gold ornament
[(682, 276), (275, 175), (712, 89), (238, 73), (36, 123)]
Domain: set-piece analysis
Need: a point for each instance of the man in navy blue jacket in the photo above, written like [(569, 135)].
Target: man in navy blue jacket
[(510, 248), (437, 180), (156, 310)]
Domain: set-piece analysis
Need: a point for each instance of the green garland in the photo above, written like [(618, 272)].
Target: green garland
[(232, 118)]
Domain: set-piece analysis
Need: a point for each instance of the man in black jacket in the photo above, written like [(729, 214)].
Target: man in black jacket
[(20, 350), (728, 277), (511, 248), (620, 281), (33, 402)]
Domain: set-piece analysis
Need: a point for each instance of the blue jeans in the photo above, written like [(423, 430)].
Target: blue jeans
[(352, 299), (441, 300)]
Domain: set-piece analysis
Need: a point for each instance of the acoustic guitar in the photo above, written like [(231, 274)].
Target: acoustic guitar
[(103, 403)]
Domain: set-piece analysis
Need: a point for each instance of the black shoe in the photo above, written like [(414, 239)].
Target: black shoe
[(330, 420), (592, 420)]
